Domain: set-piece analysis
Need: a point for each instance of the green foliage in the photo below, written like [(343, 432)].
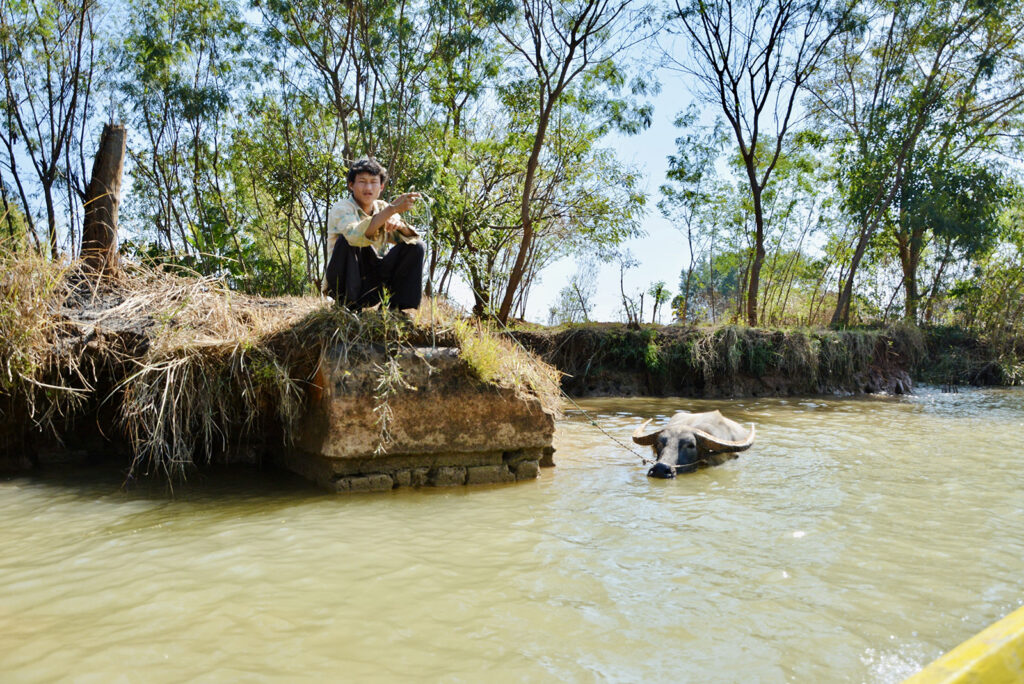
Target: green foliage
[(918, 159), (987, 296), (714, 286), (499, 361), (759, 356)]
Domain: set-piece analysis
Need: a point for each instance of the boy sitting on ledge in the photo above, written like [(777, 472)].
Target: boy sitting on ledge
[(379, 251)]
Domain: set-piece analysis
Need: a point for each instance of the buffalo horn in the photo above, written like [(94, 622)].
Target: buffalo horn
[(708, 443), (647, 440)]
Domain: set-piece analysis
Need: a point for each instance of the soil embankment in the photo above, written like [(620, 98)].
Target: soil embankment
[(735, 361)]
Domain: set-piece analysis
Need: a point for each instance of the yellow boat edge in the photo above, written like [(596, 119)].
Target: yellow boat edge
[(993, 656)]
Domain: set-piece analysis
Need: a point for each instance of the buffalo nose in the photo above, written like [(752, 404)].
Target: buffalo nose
[(662, 471)]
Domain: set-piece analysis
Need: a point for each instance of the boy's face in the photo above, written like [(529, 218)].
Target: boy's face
[(365, 188)]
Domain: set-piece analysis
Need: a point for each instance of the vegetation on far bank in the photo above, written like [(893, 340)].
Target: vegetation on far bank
[(723, 360)]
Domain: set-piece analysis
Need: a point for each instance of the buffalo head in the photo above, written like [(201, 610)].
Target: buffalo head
[(691, 440)]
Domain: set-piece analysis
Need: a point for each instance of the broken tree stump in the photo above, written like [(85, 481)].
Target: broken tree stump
[(102, 197)]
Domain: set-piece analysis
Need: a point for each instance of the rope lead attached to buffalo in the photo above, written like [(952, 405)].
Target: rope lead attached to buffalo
[(508, 333)]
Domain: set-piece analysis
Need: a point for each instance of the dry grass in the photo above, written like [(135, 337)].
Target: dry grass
[(197, 366), (37, 381), (213, 369)]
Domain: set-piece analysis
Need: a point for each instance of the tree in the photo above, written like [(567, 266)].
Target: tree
[(560, 42), (717, 284), (584, 200), (688, 199), (576, 299), (286, 172), (956, 206), (47, 55), (102, 199), (659, 295), (180, 72), (920, 78), (371, 61), (632, 309), (752, 59)]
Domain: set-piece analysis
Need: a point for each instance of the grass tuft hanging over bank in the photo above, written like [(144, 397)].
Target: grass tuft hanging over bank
[(39, 381)]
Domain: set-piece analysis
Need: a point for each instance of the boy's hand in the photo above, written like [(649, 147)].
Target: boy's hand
[(397, 225), (405, 202), (393, 225)]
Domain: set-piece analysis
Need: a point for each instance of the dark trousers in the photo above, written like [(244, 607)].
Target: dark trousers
[(357, 277)]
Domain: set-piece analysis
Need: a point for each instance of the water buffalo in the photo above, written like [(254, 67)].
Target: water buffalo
[(691, 440)]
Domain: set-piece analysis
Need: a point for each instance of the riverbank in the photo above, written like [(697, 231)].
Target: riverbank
[(611, 359), (167, 372)]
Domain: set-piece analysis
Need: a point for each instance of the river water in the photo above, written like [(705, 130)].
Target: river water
[(856, 541)]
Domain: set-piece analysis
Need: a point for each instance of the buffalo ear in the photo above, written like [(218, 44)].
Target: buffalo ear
[(708, 443), (646, 440)]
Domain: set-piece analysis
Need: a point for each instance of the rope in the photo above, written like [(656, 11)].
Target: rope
[(586, 414), (590, 419), (427, 224)]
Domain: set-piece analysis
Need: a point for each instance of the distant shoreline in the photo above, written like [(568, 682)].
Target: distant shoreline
[(613, 359)]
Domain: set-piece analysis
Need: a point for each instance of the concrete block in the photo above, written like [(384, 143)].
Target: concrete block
[(377, 482), (527, 470), (488, 474), (447, 476), (419, 477)]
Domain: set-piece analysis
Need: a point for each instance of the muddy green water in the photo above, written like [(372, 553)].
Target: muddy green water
[(855, 542)]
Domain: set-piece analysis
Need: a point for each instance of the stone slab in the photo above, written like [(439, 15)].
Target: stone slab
[(489, 474), (444, 427)]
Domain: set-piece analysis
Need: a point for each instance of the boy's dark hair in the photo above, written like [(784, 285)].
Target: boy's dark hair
[(366, 165)]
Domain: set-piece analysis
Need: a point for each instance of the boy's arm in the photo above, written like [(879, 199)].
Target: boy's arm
[(386, 217), (399, 228)]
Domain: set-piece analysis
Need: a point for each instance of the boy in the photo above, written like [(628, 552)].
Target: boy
[(379, 251)]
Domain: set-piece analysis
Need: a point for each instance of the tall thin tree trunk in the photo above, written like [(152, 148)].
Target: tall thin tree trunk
[(841, 315), (51, 218), (519, 266), (755, 268)]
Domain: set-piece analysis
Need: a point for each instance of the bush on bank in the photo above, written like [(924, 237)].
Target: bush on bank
[(731, 360)]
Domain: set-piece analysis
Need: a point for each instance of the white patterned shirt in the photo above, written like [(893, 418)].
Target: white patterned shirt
[(346, 218)]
